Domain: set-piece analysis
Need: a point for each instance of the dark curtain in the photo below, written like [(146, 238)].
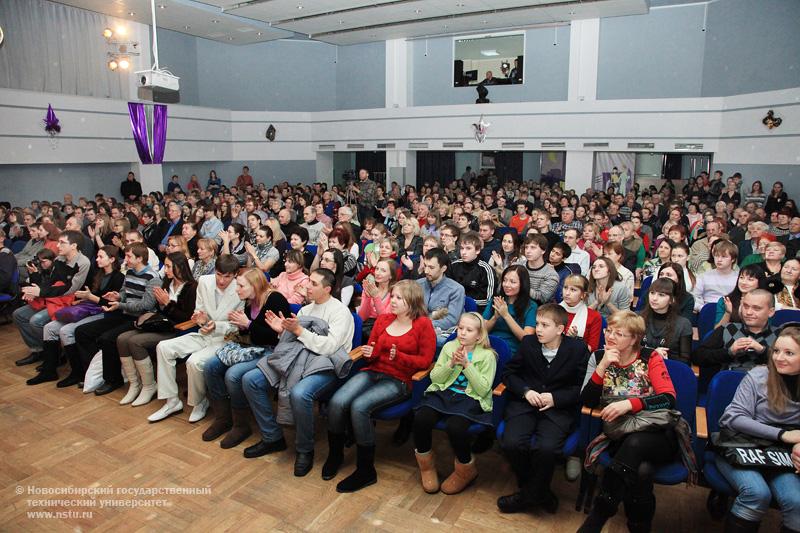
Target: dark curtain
[(372, 161), (508, 166), (436, 167)]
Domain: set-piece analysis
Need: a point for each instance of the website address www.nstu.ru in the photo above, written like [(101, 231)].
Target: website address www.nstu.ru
[(58, 515)]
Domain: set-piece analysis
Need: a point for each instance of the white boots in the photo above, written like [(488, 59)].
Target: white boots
[(140, 391)]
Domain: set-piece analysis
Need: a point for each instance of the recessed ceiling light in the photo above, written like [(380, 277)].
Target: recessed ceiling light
[(572, 12), (230, 38), (373, 34), (131, 13), (259, 34), (341, 22), (299, 6), (215, 21), (444, 26), (460, 4), (417, 11), (161, 6), (484, 22), (186, 27)]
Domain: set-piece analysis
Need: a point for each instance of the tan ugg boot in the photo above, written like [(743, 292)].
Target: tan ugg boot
[(462, 476), (427, 471)]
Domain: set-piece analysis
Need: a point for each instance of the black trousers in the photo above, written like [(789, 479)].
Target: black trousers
[(102, 335), (531, 443), (456, 427)]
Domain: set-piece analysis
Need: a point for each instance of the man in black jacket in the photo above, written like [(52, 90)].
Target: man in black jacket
[(543, 384), (130, 189)]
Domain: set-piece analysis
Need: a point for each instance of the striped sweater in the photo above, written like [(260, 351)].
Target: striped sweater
[(136, 296)]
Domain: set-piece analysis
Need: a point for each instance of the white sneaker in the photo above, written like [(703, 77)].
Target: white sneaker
[(173, 405), (199, 411), (573, 469)]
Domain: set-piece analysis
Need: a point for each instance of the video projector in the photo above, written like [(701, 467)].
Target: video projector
[(158, 86)]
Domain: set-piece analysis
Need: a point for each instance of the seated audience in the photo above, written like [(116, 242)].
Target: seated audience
[(543, 382), (582, 322), (443, 295), (740, 345), (607, 293), (544, 279), (513, 301), (666, 331), (291, 283), (764, 413), (460, 394), (474, 274), (402, 342), (252, 340), (175, 300), (789, 295), (750, 278), (719, 282)]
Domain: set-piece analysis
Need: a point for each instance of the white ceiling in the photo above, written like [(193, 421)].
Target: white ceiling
[(346, 22), (188, 17)]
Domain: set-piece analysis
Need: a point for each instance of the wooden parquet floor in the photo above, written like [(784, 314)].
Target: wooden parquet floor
[(55, 443)]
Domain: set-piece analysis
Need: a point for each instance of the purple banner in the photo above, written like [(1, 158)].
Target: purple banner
[(149, 153)]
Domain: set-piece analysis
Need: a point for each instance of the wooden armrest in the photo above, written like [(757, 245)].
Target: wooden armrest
[(595, 413), (701, 422), (422, 374), (696, 370), (185, 326), (499, 390), (356, 353)]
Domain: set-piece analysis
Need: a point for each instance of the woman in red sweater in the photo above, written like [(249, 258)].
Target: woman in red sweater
[(402, 342), (582, 322)]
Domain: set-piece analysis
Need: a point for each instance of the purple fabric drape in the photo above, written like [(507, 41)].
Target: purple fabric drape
[(159, 133), (140, 134), (139, 126)]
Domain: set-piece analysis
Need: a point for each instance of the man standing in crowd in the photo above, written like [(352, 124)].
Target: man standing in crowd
[(366, 189)]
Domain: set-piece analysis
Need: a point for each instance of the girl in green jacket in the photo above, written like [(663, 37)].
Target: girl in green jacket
[(461, 394)]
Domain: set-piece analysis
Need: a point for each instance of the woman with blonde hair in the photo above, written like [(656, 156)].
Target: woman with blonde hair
[(101, 231), (249, 339), (410, 241), (402, 342), (620, 379), (176, 243), (765, 411), (206, 258)]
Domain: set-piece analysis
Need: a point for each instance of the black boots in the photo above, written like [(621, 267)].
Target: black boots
[(77, 372), (335, 455), (734, 524), (639, 510), (604, 507), (50, 355), (365, 473)]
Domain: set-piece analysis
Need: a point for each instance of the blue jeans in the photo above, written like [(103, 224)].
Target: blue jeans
[(31, 325), (302, 396), (755, 492), (360, 396), (223, 381)]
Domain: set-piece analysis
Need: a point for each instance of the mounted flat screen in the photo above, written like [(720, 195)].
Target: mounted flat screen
[(488, 59)]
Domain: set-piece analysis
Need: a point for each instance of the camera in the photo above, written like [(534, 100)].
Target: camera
[(35, 263)]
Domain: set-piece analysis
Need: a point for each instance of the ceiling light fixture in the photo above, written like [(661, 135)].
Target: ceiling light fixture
[(186, 27), (131, 13), (417, 11), (108, 33), (113, 65), (230, 38), (341, 22), (161, 6), (489, 53), (215, 21), (124, 64), (299, 7), (259, 34), (121, 30)]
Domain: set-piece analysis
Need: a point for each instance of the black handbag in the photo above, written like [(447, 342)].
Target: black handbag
[(154, 323), (745, 451)]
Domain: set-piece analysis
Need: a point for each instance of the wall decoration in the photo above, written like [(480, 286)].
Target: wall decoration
[(52, 126), (771, 121), (614, 169), (149, 124), (480, 128), (271, 131)]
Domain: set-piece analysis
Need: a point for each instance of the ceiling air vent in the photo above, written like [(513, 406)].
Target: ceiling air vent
[(688, 146), (595, 145), (452, 145), (553, 145), (641, 146), (417, 145), (327, 147), (513, 145), (385, 145), (355, 146)]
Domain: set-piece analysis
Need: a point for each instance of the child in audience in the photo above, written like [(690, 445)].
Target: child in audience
[(460, 393), (582, 322), (719, 282), (543, 277), (543, 382), (474, 274)]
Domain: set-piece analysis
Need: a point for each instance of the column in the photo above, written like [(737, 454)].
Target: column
[(584, 43), (401, 166), (396, 73), (579, 169), (325, 168), (150, 176)]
